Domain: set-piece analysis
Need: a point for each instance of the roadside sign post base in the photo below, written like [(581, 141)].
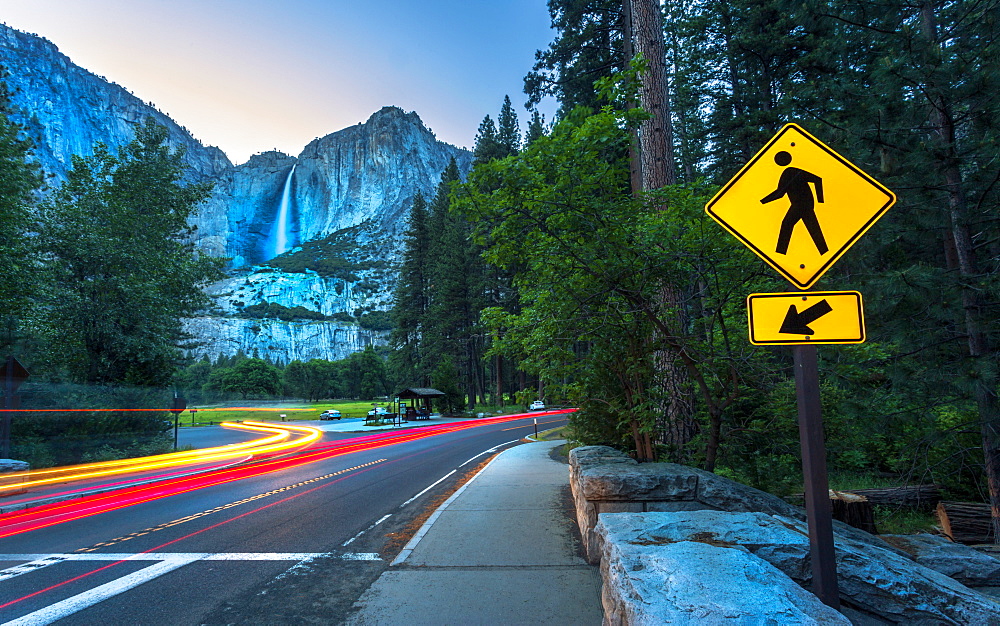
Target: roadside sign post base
[(817, 488)]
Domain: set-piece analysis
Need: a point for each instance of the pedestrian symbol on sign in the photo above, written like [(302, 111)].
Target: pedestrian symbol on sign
[(797, 178), (794, 183)]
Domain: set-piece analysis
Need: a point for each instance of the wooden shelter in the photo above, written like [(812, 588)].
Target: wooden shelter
[(422, 397)]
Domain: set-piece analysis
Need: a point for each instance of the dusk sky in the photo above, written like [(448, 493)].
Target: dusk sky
[(255, 75)]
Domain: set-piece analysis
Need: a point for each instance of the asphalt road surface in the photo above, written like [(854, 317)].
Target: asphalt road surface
[(297, 545)]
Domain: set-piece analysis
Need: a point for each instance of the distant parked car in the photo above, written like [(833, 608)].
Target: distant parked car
[(537, 405), (379, 410), (332, 414)]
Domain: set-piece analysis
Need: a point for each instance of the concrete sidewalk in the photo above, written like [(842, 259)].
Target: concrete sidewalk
[(501, 550)]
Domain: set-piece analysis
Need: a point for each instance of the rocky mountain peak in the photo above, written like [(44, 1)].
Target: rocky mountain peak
[(393, 115), (268, 159)]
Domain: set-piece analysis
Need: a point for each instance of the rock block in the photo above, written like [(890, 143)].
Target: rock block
[(648, 481), (696, 582), (872, 578), (966, 565)]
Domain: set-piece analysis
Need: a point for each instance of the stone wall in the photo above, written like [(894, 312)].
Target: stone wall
[(604, 480), (681, 545)]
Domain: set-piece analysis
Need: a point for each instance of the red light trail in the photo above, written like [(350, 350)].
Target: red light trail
[(44, 516)]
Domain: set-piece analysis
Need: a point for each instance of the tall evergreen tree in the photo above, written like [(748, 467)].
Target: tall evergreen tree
[(508, 130), (587, 48), (456, 292), (411, 298), (536, 128), (487, 145)]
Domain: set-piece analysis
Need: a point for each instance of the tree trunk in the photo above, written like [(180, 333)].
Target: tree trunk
[(853, 510), (968, 269), (634, 162), (966, 522), (675, 421), (910, 496), (656, 133), (714, 437), (499, 374)]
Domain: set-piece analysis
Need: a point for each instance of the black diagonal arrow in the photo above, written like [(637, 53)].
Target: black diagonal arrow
[(798, 323)]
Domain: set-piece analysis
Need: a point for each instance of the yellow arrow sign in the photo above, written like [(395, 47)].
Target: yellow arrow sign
[(806, 317), (799, 205)]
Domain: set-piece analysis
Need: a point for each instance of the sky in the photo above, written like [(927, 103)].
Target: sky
[(256, 75)]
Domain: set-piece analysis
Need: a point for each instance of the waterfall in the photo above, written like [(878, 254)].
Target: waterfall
[(280, 236)]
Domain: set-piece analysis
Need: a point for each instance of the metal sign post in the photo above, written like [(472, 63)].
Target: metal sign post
[(177, 408), (800, 206), (817, 488), (13, 374)]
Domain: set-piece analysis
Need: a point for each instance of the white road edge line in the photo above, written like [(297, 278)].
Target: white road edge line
[(428, 489), (351, 540), (408, 549), (493, 449), (89, 598)]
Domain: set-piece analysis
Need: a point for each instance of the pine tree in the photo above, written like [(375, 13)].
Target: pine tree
[(536, 128), (487, 146), (508, 130), (456, 292), (587, 47), (411, 298)]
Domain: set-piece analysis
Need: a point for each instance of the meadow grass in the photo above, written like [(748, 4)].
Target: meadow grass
[(292, 411)]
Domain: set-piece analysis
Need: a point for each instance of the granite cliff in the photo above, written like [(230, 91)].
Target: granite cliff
[(365, 173), (68, 109), (342, 203)]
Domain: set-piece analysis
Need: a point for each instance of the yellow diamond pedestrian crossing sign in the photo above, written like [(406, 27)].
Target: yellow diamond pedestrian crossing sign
[(799, 205), (806, 317)]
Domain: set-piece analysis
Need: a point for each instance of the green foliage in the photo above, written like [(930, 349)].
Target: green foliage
[(18, 178), (376, 320), (337, 255), (508, 130), (51, 435), (906, 91), (312, 380), (121, 272), (273, 310), (411, 297), (444, 378), (587, 47), (251, 378), (554, 213)]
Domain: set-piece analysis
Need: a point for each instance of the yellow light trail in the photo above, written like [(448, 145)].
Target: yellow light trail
[(276, 441)]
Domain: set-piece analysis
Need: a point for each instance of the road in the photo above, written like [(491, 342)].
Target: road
[(291, 546)]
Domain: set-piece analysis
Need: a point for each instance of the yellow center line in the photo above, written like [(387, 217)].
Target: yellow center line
[(176, 522)]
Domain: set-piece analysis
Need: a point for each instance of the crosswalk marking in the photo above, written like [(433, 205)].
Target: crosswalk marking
[(36, 562), (84, 600)]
